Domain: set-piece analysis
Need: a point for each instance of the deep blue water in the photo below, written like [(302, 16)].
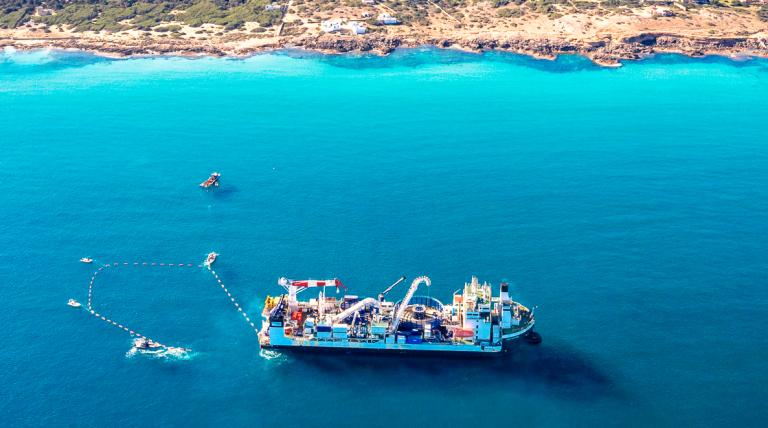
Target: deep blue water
[(630, 205)]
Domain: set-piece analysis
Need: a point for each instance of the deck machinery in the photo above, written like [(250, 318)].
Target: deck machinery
[(474, 322)]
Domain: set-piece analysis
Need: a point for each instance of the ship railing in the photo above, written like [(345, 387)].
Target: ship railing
[(364, 339), (350, 339)]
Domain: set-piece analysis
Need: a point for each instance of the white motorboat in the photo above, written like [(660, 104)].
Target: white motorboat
[(210, 259)]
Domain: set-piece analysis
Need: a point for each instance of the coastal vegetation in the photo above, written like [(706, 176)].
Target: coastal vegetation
[(167, 15), (228, 15), (119, 15), (11, 18), (510, 12)]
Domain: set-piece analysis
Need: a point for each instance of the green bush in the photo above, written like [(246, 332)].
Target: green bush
[(207, 12), (79, 16), (171, 28), (201, 13), (617, 3), (119, 15), (510, 12), (148, 15), (110, 17), (762, 13), (585, 5), (13, 19)]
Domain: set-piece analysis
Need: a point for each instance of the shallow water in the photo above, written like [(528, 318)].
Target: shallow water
[(630, 205)]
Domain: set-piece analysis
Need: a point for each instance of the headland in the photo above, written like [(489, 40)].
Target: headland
[(606, 31)]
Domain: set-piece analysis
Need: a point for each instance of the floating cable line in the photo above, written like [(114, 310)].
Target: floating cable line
[(135, 333)]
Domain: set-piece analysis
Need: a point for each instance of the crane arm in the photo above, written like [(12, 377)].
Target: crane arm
[(357, 307), (388, 289), (406, 299)]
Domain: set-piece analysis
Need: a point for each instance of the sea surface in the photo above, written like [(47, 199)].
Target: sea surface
[(629, 205)]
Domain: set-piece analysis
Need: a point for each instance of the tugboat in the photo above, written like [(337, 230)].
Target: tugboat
[(210, 259), (86, 260), (74, 303), (213, 180)]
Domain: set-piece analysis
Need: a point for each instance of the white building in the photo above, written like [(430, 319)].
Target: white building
[(43, 11), (356, 27), (662, 11), (387, 19), (331, 26)]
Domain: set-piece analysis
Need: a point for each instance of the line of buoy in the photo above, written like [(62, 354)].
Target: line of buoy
[(104, 318), (135, 333), (234, 302)]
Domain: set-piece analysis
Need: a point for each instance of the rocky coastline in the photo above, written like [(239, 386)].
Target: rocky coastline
[(607, 52)]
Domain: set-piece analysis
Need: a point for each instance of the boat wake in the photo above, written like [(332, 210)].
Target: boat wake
[(175, 354), (178, 354), (269, 355)]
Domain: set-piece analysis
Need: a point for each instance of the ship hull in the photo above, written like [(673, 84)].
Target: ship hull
[(509, 347), (487, 351), (346, 346)]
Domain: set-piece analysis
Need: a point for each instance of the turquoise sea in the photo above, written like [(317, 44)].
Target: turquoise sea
[(630, 205)]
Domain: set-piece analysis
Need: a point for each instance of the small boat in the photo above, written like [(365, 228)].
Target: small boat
[(74, 303), (213, 180), (210, 259), (142, 343), (86, 260)]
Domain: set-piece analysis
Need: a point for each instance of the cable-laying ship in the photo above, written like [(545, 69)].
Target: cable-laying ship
[(475, 322)]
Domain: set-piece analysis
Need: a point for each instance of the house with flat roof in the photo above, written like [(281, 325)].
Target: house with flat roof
[(331, 25), (387, 19), (356, 27)]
